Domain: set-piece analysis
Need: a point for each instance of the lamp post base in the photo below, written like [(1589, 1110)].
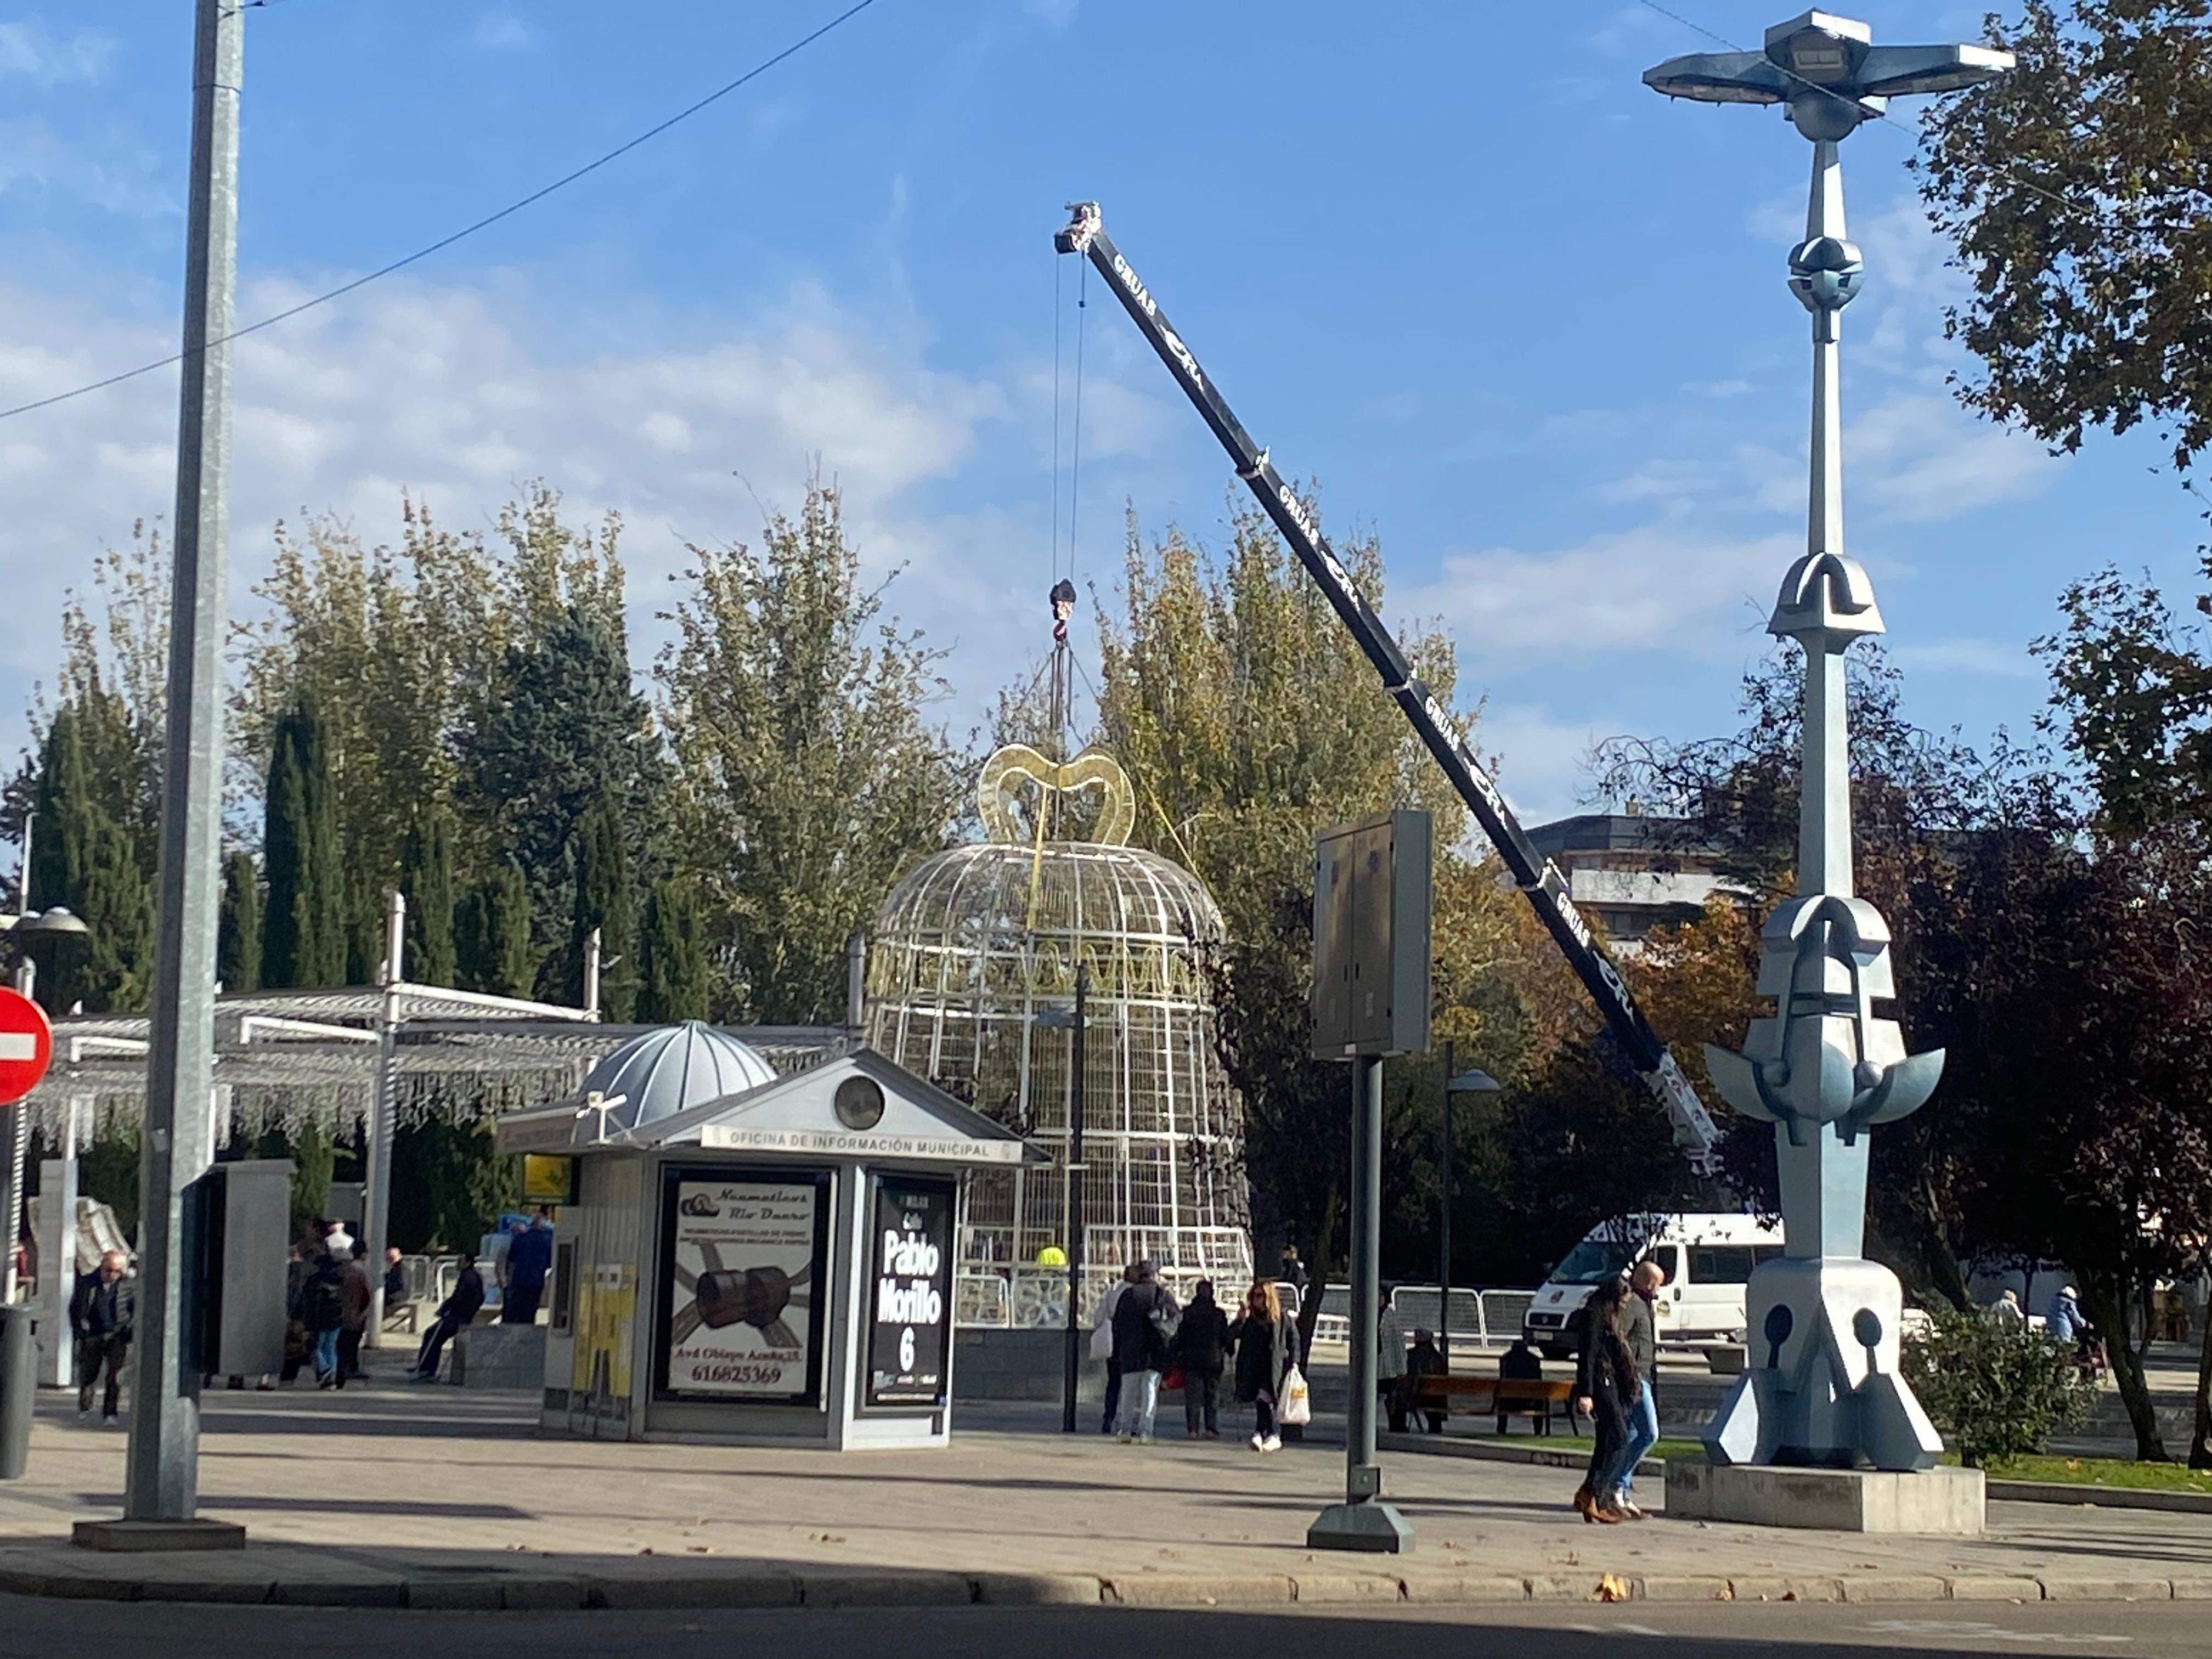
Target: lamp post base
[(1372, 1526), (151, 1535)]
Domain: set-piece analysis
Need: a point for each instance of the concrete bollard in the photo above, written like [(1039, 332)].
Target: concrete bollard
[(18, 1389)]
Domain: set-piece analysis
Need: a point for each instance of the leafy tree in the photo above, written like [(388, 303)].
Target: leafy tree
[(238, 931), (568, 728), (303, 930), (492, 952), (427, 879), (1996, 1390), (794, 712), (2074, 188), (604, 906), (672, 958), (448, 1184), (84, 858)]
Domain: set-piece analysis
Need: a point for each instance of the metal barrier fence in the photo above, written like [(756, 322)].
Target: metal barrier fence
[(1482, 1318), (1035, 1299)]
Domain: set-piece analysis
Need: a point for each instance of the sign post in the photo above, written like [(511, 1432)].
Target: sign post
[(26, 1046)]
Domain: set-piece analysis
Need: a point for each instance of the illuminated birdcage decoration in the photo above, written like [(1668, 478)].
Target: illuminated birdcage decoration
[(974, 944)]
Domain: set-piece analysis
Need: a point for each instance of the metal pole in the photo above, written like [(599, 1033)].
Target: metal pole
[(1363, 1520), (856, 984), (383, 1118), (162, 1474), (1443, 1220), (23, 879), (1075, 1174), (591, 973)]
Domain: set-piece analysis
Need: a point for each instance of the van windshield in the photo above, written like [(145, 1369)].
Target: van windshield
[(1593, 1261)]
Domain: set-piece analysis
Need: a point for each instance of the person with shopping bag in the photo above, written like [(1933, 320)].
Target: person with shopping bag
[(1267, 1376), (1102, 1346)]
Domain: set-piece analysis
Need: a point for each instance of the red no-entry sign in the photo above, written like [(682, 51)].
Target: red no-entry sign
[(26, 1044)]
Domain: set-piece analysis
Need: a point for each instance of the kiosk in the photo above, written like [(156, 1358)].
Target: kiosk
[(769, 1264)]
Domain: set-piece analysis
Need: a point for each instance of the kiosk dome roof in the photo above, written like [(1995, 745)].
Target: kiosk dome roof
[(660, 1073)]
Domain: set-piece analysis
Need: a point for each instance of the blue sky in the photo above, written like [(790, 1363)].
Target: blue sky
[(1520, 317)]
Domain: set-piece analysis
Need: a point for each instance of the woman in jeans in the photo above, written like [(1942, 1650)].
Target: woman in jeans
[(1266, 1341), (1606, 1384)]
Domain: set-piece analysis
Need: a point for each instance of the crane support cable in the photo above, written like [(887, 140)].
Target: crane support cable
[(1535, 875)]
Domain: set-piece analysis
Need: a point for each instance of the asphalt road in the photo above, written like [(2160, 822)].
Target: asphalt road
[(35, 1629)]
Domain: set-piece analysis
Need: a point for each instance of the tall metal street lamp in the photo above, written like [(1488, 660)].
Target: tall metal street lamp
[(1471, 1081), (1073, 1021), (1823, 1384)]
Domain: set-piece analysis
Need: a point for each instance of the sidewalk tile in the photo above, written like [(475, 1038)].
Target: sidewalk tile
[(2198, 1588), (1471, 1587), (1193, 1590), (1579, 1586), (1683, 1587), (846, 1587), (2108, 1590), (1778, 1587), (1893, 1587), (1036, 1589), (1345, 1587), (1975, 1587), (658, 1585)]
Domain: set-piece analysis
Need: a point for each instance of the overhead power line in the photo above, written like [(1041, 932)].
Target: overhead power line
[(467, 231)]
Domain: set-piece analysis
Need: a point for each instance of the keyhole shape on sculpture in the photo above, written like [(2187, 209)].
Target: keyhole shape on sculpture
[(1780, 1321), (1866, 1325)]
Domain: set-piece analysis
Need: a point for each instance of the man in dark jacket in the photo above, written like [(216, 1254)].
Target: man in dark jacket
[(1145, 1320), (1639, 1330), (1202, 1352), (455, 1315), (102, 1313)]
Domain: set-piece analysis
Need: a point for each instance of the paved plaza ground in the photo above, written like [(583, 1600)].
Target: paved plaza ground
[(444, 1497)]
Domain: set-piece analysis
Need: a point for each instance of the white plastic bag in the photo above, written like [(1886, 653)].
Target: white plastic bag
[(1297, 1399)]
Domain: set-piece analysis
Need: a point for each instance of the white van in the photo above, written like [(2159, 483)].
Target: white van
[(1708, 1260)]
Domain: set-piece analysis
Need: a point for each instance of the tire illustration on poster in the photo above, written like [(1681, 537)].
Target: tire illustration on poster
[(742, 1263)]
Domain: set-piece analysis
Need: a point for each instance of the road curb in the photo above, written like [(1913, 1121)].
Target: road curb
[(264, 1576), (1654, 1469)]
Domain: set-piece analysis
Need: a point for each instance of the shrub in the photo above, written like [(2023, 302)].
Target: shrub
[(1996, 1390)]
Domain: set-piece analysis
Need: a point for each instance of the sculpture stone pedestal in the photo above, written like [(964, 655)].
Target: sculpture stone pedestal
[(1938, 1502)]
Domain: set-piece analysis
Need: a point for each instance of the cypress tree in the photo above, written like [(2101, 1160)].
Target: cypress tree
[(238, 934), (491, 928), (81, 857), (604, 904), (672, 956), (426, 877), (303, 937)]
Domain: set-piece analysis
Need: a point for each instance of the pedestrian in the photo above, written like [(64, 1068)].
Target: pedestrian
[(322, 1311), (1201, 1351), (1145, 1320), (1102, 1346), (522, 1274), (1423, 1359), (1606, 1382), (2062, 1322), (337, 1240), (1390, 1363), (395, 1295), (1267, 1340), (2006, 1312), (353, 1298), (298, 1345), (455, 1314), (102, 1312), (1293, 1270), (1639, 1330)]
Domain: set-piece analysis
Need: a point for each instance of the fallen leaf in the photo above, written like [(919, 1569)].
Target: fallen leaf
[(1610, 1589)]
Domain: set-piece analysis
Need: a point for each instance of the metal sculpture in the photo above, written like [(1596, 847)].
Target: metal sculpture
[(1821, 1385)]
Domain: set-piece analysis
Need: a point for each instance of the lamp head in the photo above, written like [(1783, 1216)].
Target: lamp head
[(59, 923)]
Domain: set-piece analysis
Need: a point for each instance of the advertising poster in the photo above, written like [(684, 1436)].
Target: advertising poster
[(910, 1292), (743, 1271)]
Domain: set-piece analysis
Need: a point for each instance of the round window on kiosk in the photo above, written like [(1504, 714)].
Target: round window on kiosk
[(860, 1102)]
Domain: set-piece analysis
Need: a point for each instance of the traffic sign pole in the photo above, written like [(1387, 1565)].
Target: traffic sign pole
[(26, 1044)]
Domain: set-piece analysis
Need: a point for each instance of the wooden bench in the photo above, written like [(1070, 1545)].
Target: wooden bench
[(1504, 1396)]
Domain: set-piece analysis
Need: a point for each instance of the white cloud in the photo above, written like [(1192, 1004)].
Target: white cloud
[(502, 31), (1918, 457), (1543, 761), (449, 392), (2000, 658), (107, 170), (1653, 587), (28, 50)]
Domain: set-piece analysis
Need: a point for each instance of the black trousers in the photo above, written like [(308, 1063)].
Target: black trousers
[(92, 1354), (433, 1344), (349, 1353), (1201, 1404), (1113, 1395)]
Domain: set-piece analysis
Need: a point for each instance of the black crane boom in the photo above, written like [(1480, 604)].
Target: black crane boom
[(1535, 874)]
